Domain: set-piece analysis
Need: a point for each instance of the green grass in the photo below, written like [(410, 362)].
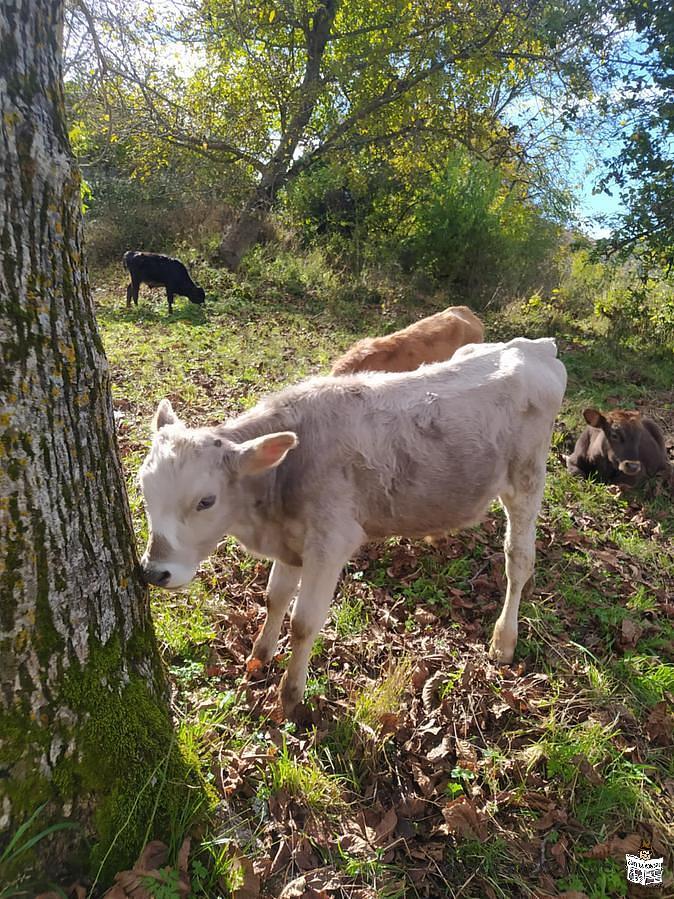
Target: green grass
[(350, 616), (604, 558), (304, 780)]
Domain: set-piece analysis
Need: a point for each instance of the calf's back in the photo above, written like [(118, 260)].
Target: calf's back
[(432, 339), (409, 453)]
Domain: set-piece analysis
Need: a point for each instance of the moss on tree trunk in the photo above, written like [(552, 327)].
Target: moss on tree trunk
[(84, 720)]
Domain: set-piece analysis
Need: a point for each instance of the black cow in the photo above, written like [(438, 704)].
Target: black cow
[(156, 270)]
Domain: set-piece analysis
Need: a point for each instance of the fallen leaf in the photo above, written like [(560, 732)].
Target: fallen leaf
[(312, 886), (253, 666), (550, 818), (660, 724), (587, 770), (131, 883), (388, 723), (442, 752), (466, 755), (424, 617), (461, 820), (385, 828), (304, 856), (419, 675), (250, 888), (630, 632), (616, 847), (559, 852)]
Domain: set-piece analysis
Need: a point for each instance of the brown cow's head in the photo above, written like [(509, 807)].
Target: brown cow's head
[(623, 432)]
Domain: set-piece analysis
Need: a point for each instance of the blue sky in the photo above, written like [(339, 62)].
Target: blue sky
[(591, 206)]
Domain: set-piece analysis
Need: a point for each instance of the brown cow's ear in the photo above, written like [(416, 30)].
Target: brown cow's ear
[(595, 418), (164, 416), (263, 453)]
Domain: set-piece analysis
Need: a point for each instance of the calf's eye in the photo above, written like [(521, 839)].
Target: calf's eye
[(205, 503)]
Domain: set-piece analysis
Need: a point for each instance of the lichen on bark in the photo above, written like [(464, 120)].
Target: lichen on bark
[(84, 720)]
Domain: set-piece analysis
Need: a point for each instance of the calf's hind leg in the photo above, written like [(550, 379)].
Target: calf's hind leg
[(283, 582), (522, 507)]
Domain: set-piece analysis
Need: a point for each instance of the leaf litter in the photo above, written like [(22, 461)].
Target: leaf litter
[(448, 791)]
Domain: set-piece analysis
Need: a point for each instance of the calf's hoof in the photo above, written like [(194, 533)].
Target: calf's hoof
[(262, 652), (291, 697), (502, 651)]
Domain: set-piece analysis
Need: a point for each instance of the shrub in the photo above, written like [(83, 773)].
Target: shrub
[(477, 236)]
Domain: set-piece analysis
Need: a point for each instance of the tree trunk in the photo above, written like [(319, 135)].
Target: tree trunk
[(247, 230), (84, 722)]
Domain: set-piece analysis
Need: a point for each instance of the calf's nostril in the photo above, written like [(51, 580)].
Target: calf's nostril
[(156, 577)]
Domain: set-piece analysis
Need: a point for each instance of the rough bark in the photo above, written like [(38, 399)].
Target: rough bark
[(84, 723)]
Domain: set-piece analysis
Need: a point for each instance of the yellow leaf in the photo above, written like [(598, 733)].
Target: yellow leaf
[(272, 16)]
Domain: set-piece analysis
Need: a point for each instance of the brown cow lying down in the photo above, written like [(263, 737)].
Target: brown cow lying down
[(432, 339), (619, 447), (310, 474)]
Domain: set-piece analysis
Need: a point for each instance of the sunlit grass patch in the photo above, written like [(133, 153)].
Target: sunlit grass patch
[(375, 707), (389, 881), (601, 783), (648, 678), (183, 621), (567, 498), (350, 616), (561, 745), (306, 780)]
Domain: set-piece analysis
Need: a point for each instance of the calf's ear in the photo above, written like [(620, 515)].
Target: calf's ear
[(263, 453), (595, 418), (163, 416)]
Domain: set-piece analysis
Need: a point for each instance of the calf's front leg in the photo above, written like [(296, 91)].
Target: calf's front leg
[(281, 587), (319, 579)]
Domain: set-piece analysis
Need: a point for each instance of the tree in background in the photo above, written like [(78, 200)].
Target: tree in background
[(85, 731), (644, 168), (277, 88)]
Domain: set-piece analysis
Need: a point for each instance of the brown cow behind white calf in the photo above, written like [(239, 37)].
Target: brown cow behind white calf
[(432, 339), (310, 474)]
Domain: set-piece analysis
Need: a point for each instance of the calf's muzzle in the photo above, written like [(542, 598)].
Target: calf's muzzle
[(157, 577)]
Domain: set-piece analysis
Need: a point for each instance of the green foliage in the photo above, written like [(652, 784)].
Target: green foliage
[(350, 616), (364, 99), (596, 879), (463, 225), (305, 781), (476, 234), (643, 170)]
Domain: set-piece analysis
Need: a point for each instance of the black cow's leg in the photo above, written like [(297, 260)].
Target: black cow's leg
[(169, 297), (136, 288), (129, 294)]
